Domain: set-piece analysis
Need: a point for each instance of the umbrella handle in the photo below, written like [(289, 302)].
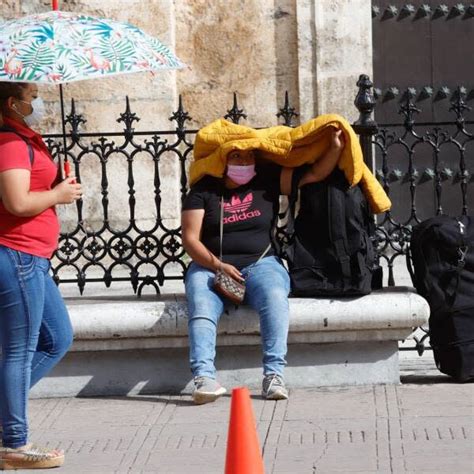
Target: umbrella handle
[(63, 118), (67, 171)]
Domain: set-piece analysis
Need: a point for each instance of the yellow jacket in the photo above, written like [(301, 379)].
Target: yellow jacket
[(288, 147)]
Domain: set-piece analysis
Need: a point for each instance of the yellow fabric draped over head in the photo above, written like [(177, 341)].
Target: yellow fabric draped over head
[(288, 147)]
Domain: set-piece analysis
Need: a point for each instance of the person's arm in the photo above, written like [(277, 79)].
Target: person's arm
[(20, 201), (320, 169), (191, 226)]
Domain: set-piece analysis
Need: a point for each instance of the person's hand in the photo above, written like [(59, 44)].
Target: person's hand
[(68, 191), (232, 271), (337, 140)]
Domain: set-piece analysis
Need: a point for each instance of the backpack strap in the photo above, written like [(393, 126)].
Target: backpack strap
[(31, 153), (282, 249), (338, 232), (418, 278), (452, 286), (462, 250), (298, 173)]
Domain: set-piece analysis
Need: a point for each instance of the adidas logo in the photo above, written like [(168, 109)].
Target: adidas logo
[(236, 205), (243, 216)]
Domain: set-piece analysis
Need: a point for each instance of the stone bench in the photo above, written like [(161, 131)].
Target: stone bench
[(129, 345)]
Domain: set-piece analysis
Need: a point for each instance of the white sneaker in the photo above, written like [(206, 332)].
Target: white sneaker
[(273, 387), (207, 390)]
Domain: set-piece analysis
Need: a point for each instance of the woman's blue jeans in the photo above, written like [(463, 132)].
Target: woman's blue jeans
[(267, 287), (35, 333)]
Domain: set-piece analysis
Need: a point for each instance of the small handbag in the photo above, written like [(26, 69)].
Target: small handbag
[(224, 284), (232, 289)]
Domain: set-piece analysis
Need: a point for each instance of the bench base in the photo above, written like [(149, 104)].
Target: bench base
[(126, 346), (107, 373)]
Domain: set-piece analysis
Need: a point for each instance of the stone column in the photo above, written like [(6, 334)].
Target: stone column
[(334, 47)]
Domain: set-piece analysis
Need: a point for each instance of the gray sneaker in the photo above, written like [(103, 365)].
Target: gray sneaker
[(207, 390), (273, 387)]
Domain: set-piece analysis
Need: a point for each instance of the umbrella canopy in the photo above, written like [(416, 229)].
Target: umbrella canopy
[(59, 47)]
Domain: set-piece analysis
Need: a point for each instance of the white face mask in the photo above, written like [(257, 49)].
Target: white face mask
[(38, 113)]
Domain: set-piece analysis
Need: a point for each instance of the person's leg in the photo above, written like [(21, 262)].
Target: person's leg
[(267, 289), (205, 307), (21, 309), (56, 334), (23, 289)]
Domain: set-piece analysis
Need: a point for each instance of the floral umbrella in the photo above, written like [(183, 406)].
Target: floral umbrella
[(58, 47)]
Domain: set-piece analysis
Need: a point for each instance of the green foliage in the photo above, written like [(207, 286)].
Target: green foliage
[(42, 33), (81, 38), (101, 28), (36, 56), (20, 36), (28, 74), (120, 50), (67, 73), (81, 63)]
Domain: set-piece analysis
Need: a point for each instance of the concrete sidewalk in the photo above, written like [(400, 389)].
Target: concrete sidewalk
[(424, 425)]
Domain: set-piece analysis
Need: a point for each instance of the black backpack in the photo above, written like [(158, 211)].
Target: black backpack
[(329, 251), (442, 271)]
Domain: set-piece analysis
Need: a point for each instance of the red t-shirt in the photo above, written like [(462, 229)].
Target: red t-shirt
[(37, 235)]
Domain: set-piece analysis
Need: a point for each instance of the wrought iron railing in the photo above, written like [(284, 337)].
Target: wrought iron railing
[(101, 251), (408, 158), (425, 167)]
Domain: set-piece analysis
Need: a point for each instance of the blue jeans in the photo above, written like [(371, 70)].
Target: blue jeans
[(267, 287), (35, 333)]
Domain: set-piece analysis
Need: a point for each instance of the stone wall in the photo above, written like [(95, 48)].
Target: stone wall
[(315, 49), (236, 45)]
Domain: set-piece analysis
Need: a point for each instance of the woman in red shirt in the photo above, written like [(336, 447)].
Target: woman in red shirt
[(35, 331)]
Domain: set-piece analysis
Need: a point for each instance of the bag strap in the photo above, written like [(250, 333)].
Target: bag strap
[(31, 153), (298, 173), (337, 231), (221, 231), (463, 249), (411, 263), (221, 228), (269, 246)]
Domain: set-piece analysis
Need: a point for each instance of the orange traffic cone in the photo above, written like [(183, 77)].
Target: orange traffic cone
[(243, 449)]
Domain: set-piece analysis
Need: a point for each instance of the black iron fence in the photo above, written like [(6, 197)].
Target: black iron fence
[(120, 248), (426, 168), (108, 248)]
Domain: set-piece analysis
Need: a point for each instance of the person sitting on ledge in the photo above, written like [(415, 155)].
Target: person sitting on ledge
[(249, 191)]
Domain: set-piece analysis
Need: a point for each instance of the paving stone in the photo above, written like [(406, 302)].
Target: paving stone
[(418, 428)]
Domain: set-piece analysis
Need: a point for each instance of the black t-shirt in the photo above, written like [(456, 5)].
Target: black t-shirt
[(249, 214)]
